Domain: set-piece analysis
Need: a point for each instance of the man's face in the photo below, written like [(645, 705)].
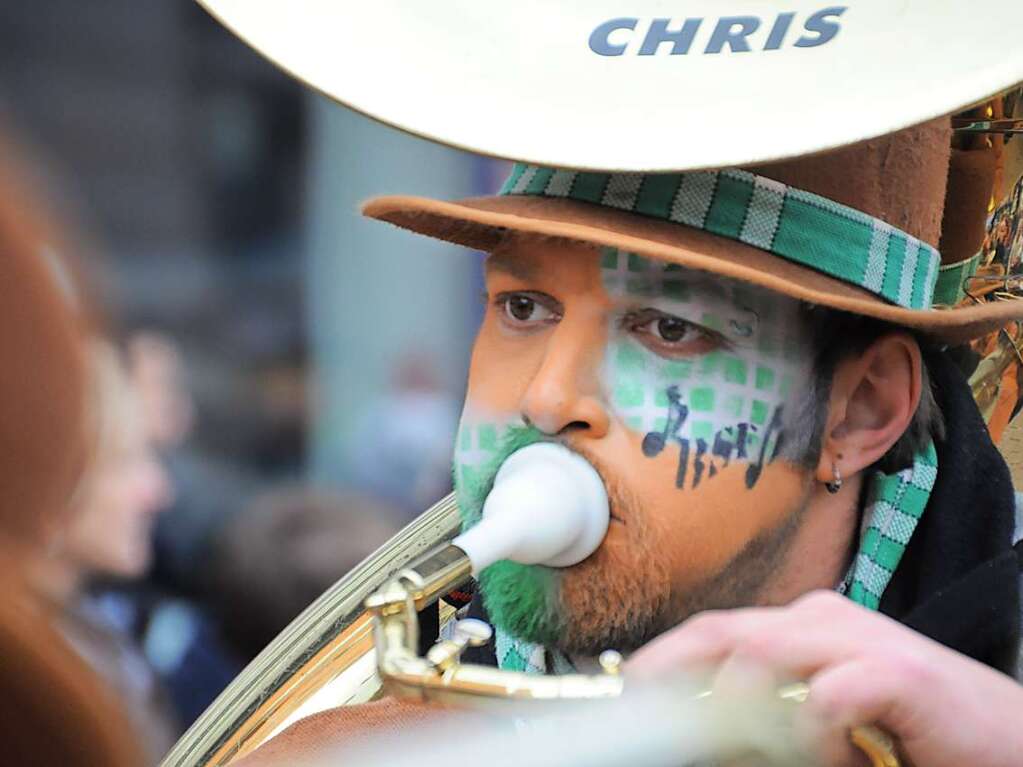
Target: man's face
[(680, 388)]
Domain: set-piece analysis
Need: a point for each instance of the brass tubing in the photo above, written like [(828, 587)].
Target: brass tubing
[(440, 571), (265, 692)]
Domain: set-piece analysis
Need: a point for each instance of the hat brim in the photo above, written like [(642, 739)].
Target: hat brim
[(481, 223)]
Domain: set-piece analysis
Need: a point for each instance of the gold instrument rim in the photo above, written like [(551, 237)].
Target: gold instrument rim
[(266, 691)]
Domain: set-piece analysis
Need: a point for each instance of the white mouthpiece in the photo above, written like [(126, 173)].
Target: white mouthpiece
[(548, 507)]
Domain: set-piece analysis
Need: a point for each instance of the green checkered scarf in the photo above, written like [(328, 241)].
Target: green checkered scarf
[(895, 504), (897, 501)]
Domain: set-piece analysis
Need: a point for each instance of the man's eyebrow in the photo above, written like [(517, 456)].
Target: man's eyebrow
[(516, 266)]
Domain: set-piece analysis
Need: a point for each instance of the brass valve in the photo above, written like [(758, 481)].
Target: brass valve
[(468, 632)]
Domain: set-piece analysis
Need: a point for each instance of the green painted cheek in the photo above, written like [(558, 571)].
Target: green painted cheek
[(520, 599), (717, 406), (719, 389), (475, 449), (481, 446)]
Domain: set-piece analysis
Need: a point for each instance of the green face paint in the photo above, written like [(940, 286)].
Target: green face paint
[(482, 445), (718, 393), (517, 597)]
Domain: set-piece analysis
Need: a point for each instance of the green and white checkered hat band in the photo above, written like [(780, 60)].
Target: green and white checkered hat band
[(798, 226)]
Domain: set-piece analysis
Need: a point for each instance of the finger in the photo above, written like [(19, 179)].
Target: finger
[(752, 716), (794, 650), (857, 693), (739, 678), (703, 641), (816, 631)]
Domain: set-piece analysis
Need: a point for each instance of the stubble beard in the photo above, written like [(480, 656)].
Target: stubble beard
[(624, 595)]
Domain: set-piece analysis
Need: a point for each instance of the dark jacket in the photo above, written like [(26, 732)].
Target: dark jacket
[(959, 580)]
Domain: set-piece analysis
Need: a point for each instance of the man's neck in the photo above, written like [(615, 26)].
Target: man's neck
[(822, 548)]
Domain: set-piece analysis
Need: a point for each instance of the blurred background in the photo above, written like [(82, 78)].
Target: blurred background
[(273, 384), (294, 372)]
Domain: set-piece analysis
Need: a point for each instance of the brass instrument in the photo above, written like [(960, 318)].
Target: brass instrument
[(338, 652), (439, 676), (359, 641), (325, 658)]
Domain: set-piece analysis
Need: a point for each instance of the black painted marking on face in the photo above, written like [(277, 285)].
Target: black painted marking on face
[(728, 443)]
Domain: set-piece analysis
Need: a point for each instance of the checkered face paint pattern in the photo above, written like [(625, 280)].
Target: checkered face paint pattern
[(515, 594), (725, 404), (483, 443), (476, 445)]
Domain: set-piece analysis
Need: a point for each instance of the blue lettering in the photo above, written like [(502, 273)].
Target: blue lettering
[(681, 39), (730, 33), (600, 42), (733, 31), (820, 26), (777, 36)]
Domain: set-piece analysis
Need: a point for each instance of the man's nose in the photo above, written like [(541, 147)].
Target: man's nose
[(565, 393)]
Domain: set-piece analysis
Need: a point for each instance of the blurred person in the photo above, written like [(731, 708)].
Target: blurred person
[(181, 637), (108, 536), (403, 448), (208, 490), (53, 709), (157, 370), (279, 554)]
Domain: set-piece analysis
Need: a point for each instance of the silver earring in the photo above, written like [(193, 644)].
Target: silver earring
[(835, 484)]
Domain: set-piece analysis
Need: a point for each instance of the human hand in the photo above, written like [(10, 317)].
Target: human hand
[(946, 709)]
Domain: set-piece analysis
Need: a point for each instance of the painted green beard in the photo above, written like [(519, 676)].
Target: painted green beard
[(520, 599)]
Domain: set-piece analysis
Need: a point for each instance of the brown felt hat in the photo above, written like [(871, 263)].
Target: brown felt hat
[(885, 197)]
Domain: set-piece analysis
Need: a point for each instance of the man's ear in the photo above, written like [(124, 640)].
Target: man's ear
[(874, 396)]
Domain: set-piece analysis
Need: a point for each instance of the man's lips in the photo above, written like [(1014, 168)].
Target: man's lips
[(598, 467)]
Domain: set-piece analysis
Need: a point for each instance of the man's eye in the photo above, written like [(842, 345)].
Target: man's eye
[(668, 335), (521, 308), (671, 330)]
